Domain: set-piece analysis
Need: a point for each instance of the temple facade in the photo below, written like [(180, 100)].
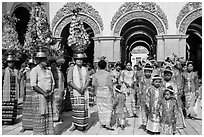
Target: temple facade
[(118, 29)]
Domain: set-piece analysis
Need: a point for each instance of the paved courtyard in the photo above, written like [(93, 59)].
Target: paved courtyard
[(193, 127)]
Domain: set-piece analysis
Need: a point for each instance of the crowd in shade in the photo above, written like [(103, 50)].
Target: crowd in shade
[(163, 95)]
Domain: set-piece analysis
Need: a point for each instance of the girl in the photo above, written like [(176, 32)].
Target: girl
[(119, 107)]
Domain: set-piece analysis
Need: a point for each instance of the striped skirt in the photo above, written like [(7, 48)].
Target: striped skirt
[(104, 105), (27, 116), (79, 111), (43, 123), (9, 108)]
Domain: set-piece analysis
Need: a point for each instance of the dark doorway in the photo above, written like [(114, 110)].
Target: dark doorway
[(194, 44), (23, 16), (137, 32)]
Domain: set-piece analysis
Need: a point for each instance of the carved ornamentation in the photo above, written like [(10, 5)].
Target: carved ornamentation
[(191, 17), (67, 20), (88, 15), (150, 9), (189, 7), (139, 14)]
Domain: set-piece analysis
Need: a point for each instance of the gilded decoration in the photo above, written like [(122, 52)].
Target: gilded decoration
[(146, 10), (190, 12), (88, 14)]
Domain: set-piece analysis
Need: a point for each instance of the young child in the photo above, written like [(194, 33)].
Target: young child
[(168, 109), (153, 99), (144, 85), (119, 107)]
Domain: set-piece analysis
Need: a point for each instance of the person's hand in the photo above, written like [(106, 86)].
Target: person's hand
[(82, 91)]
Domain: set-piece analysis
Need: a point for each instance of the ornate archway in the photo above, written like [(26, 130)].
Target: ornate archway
[(189, 13), (136, 22), (26, 5), (88, 15), (189, 22), (134, 10)]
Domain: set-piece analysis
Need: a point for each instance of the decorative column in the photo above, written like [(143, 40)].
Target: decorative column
[(108, 46), (169, 44)]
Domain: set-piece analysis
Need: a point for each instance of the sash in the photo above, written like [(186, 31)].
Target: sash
[(6, 85), (79, 78)]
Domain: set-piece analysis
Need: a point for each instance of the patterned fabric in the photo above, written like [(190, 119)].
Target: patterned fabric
[(153, 98), (43, 123), (119, 107), (42, 107), (190, 87), (10, 79), (166, 129), (79, 76), (9, 108), (91, 96), (144, 85), (80, 111), (27, 116), (115, 75), (180, 123), (58, 95), (104, 105), (128, 78), (44, 79), (168, 110)]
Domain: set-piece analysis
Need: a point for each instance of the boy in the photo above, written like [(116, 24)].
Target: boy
[(144, 85), (168, 109), (153, 99)]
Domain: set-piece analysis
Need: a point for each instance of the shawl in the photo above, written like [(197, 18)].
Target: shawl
[(79, 78), (6, 85)]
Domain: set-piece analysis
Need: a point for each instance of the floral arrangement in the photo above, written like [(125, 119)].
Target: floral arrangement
[(10, 42), (38, 31), (78, 39)]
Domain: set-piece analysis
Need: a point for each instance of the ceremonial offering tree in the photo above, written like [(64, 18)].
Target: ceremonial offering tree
[(78, 39), (10, 42), (39, 31)]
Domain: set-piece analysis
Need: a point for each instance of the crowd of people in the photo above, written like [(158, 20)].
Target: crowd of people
[(163, 96)]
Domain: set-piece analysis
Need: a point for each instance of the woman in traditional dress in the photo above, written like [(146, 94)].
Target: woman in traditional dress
[(27, 116), (153, 99), (190, 79), (78, 80), (10, 81), (128, 79), (103, 85), (42, 81)]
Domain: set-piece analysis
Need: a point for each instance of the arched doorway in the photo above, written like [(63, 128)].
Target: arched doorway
[(137, 32), (189, 22), (194, 44), (139, 23), (23, 16)]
